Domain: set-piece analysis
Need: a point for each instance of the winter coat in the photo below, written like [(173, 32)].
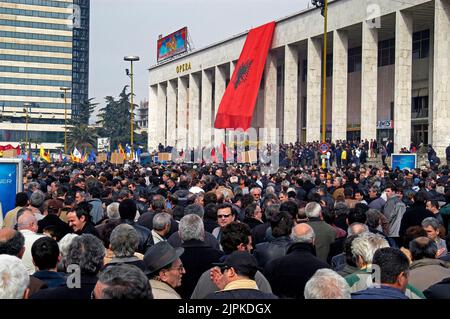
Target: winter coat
[(268, 251), (413, 217), (440, 290), (384, 292), (198, 257), (427, 272), (394, 209), (325, 236), (288, 275)]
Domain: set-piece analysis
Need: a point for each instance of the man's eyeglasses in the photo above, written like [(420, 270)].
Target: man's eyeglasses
[(223, 216), (179, 268)]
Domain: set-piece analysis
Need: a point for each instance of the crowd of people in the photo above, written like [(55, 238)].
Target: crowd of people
[(230, 231)]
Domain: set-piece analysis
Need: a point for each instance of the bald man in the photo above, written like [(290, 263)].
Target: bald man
[(288, 275), (27, 224)]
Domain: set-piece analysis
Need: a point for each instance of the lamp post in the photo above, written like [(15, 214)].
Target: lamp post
[(131, 58), (65, 89), (323, 5), (26, 107)]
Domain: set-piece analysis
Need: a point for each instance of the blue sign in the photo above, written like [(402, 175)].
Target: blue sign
[(404, 161), (8, 185), (323, 148)]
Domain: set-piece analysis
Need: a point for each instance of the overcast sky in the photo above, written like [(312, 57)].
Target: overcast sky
[(131, 27)]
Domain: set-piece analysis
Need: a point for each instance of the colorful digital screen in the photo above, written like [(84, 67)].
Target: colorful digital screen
[(173, 44), (404, 161), (8, 185)]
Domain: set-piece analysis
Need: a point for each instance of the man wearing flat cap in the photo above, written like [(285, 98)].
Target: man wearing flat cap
[(235, 278), (165, 270)]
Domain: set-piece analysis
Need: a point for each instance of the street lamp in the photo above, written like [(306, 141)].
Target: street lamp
[(26, 108), (65, 89), (323, 5), (131, 58)]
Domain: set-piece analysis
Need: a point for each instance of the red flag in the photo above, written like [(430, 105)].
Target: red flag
[(223, 150), (237, 105)]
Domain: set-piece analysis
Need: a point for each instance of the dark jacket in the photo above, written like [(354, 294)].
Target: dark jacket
[(384, 292), (259, 233), (61, 227), (252, 222), (325, 236), (64, 292), (414, 217), (197, 258), (51, 278), (268, 251), (241, 294), (441, 290), (210, 240), (210, 225), (133, 260), (288, 275), (144, 235), (88, 228)]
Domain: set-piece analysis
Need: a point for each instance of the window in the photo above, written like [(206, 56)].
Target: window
[(419, 107), (329, 65), (421, 45), (386, 52), (354, 59)]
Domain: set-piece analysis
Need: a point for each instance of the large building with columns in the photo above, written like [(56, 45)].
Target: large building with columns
[(388, 77)]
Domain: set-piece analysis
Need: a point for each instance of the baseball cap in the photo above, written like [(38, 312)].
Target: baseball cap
[(242, 262)]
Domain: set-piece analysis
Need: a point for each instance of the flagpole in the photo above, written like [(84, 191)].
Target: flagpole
[(324, 93)]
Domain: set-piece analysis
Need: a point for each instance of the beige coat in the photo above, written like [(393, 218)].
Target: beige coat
[(162, 290), (427, 272)]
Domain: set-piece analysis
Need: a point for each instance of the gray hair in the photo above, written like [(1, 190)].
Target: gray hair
[(366, 244), (191, 227), (124, 281), (161, 220), (307, 238), (124, 240), (327, 284), (255, 189), (357, 229), (26, 220), (64, 245), (430, 221), (37, 198), (112, 211), (271, 210), (270, 190), (423, 247), (194, 209), (86, 251), (312, 210), (33, 186), (14, 278)]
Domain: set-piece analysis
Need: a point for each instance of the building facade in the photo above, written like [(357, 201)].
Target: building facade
[(44, 45), (387, 78)]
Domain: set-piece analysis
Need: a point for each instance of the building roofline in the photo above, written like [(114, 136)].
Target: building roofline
[(195, 51)]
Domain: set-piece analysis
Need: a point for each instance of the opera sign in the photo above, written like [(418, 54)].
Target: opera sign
[(184, 67)]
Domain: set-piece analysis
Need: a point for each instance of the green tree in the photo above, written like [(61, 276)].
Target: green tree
[(115, 119), (79, 133)]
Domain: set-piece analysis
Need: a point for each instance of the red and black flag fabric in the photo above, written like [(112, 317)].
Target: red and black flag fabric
[(237, 105)]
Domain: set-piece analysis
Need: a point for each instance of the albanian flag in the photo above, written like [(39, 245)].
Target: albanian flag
[(237, 105)]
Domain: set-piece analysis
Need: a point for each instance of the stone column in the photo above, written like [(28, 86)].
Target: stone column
[(403, 80), (171, 112), (161, 116), (290, 93), (152, 117), (369, 81), (441, 78), (194, 108), (270, 99), (313, 90), (206, 127), (219, 90), (340, 74), (182, 114)]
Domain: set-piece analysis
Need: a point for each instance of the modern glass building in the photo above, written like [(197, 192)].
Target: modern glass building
[(44, 45)]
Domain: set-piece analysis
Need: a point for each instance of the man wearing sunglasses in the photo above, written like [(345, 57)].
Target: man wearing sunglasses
[(225, 216)]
